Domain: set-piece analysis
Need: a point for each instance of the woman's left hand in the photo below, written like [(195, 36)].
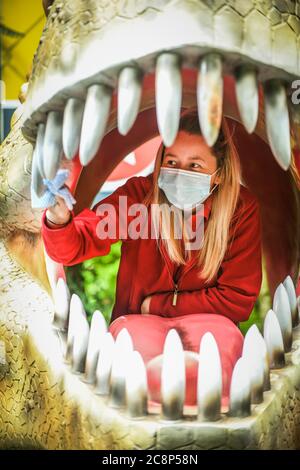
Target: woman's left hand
[(145, 305)]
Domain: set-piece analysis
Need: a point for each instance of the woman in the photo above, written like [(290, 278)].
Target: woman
[(166, 279)]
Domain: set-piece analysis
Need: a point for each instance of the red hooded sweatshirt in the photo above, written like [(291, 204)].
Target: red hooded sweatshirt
[(145, 270)]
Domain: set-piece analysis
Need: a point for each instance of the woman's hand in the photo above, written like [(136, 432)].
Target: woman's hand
[(59, 213), (145, 305)]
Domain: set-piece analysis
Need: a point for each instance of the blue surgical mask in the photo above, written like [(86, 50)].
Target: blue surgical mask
[(183, 188)]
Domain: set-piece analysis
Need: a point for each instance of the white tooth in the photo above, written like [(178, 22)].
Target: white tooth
[(255, 343), (168, 95), (277, 121), (252, 353), (61, 298), (72, 122), (52, 148), (37, 180), (130, 159), (256, 372), (136, 386), (39, 145), (54, 270), (3, 358), (247, 95), (210, 96), (173, 377), (95, 117), (209, 390), (290, 288), (282, 308), (76, 310), (104, 364), (123, 348), (240, 390), (129, 98), (80, 343), (97, 333), (274, 341)]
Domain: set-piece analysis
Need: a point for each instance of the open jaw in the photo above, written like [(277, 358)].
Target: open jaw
[(100, 70)]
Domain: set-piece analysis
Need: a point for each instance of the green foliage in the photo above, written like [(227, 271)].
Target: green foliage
[(261, 307), (94, 281)]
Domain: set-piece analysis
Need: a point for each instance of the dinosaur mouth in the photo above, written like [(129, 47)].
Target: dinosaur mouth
[(91, 113)]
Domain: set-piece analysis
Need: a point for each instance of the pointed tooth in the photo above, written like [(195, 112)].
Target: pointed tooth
[(240, 390), (274, 341), (129, 98), (282, 309), (61, 298), (39, 148), (173, 377), (123, 348), (130, 159), (136, 386), (254, 341), (95, 117), (252, 353), (256, 371), (80, 343), (210, 96), (209, 391), (97, 332), (52, 148), (277, 121), (36, 178), (54, 270), (168, 95), (290, 288), (76, 310), (104, 364), (247, 95), (72, 122)]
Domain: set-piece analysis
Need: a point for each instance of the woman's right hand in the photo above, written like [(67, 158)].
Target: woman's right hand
[(59, 213)]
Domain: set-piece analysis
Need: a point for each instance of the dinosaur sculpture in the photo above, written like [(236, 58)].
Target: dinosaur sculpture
[(53, 395)]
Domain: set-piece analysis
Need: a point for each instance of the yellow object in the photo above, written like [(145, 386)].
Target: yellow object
[(25, 17)]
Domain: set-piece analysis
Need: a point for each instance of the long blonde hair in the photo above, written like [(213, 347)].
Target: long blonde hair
[(224, 200)]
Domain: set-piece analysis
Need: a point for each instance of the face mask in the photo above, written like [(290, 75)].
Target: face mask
[(184, 188)]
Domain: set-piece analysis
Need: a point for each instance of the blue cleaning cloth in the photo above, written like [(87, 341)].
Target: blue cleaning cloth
[(53, 188)]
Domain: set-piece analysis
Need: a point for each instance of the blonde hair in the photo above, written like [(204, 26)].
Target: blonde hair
[(224, 200)]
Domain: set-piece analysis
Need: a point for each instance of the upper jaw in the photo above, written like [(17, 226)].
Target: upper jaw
[(101, 58), (79, 47)]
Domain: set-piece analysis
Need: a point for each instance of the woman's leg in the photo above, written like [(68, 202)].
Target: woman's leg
[(148, 333)]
